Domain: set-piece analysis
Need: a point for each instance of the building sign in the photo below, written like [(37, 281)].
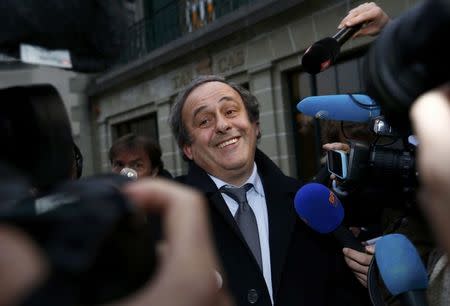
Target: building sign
[(181, 79), (230, 60)]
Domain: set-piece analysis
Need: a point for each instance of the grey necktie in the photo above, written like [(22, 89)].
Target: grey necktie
[(245, 218)]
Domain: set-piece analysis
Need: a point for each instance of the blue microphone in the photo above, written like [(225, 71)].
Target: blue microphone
[(349, 107), (401, 269), (321, 210)]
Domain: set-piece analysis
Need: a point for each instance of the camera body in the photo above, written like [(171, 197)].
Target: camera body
[(97, 245), (390, 166)]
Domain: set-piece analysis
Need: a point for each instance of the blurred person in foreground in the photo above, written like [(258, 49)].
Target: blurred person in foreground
[(185, 275), (430, 116)]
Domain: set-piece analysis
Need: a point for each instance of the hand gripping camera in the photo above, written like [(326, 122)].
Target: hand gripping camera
[(99, 248)]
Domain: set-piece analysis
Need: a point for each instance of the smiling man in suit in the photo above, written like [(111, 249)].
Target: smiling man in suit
[(269, 256)]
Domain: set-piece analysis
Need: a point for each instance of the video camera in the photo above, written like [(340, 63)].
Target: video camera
[(380, 156), (388, 162)]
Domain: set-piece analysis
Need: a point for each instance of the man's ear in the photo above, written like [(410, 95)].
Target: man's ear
[(187, 150)]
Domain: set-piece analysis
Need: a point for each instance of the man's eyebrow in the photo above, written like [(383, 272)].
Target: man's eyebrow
[(198, 110), (131, 161), (226, 98), (201, 108), (136, 160)]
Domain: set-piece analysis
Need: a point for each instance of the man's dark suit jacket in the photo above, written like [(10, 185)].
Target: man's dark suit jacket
[(307, 269)]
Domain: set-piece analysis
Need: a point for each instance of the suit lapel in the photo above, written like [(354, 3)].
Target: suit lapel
[(279, 192), (281, 225)]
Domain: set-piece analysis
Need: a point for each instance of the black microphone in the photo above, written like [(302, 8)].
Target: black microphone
[(323, 53)]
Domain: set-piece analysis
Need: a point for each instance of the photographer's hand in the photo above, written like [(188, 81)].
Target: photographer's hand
[(186, 275), (430, 116), (369, 13), (336, 146), (23, 266)]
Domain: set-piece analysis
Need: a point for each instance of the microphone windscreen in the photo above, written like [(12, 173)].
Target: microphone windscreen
[(400, 266), (319, 208), (320, 55), (348, 107)]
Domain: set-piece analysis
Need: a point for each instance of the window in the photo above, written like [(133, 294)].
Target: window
[(161, 22), (145, 126)]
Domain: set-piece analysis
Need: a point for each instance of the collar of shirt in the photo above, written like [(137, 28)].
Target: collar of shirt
[(254, 179)]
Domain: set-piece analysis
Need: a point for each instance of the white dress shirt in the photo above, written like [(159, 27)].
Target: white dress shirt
[(257, 201)]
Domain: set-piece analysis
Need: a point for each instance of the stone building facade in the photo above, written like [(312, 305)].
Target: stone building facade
[(259, 45)]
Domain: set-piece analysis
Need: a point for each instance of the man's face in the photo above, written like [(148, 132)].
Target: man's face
[(223, 138), (136, 159)]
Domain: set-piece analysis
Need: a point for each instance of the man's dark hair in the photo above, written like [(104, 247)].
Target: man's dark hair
[(131, 141), (179, 130)]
